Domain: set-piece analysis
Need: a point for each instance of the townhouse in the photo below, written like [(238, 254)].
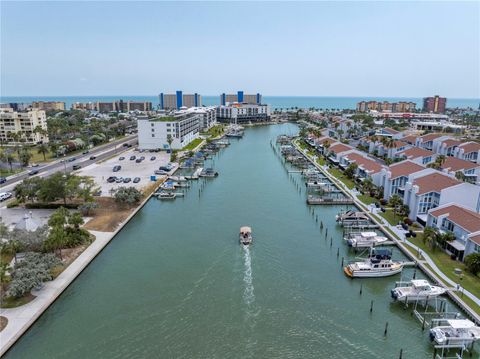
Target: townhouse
[(431, 141), (396, 176), (390, 132), (447, 147), (392, 148), (418, 155), (470, 171), (469, 151), (463, 223), (335, 150), (424, 192), (367, 167)]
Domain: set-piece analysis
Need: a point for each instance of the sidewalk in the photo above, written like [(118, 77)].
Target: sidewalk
[(399, 238)]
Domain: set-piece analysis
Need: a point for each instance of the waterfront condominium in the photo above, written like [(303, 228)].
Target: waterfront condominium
[(434, 104), (402, 106), (113, 106), (243, 112), (182, 128), (208, 115), (240, 97), (31, 126), (48, 105), (178, 100)]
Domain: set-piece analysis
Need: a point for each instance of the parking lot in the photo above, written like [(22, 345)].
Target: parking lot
[(100, 172)]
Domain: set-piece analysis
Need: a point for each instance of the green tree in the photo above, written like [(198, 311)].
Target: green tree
[(351, 170), (28, 189), (57, 239), (59, 218), (43, 150), (430, 236), (395, 202), (13, 247), (472, 262), (8, 157), (24, 156), (127, 195)]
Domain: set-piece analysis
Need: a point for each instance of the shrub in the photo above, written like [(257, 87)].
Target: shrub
[(44, 205), (472, 262), (13, 203), (408, 221), (383, 201)]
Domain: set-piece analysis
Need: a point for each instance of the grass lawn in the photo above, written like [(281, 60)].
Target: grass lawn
[(365, 198), (340, 176), (321, 160), (215, 131), (11, 302), (388, 215), (192, 144), (447, 265), (5, 172)]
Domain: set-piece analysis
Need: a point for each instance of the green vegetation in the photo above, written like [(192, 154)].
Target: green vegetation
[(365, 198), (321, 160), (192, 144), (127, 195), (390, 217), (215, 131), (164, 119), (5, 172), (340, 176)]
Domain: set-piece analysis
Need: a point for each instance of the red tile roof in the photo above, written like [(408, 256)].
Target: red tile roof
[(411, 139), (368, 164), (404, 168), (451, 142), (415, 152), (457, 164), (339, 148), (465, 218), (390, 131), (430, 137), (398, 144), (470, 147), (475, 239), (434, 182)]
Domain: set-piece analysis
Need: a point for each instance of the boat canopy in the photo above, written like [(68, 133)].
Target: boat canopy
[(420, 283), (369, 234), (460, 323), (245, 230)]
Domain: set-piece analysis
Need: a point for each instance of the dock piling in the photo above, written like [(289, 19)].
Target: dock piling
[(338, 251), (386, 329), (401, 352), (361, 288)]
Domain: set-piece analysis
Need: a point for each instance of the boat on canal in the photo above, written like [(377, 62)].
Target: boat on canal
[(165, 195), (365, 239), (454, 332), (208, 172), (415, 290), (378, 264), (245, 235)]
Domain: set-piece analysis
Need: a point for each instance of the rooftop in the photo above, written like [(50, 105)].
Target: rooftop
[(339, 148), (404, 168), (430, 137), (470, 147), (457, 164), (475, 239), (465, 218), (390, 131), (451, 142), (434, 182), (411, 139), (368, 164), (415, 152)]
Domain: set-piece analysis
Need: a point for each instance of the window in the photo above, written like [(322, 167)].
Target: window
[(153, 135)]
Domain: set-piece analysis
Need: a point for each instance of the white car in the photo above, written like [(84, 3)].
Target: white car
[(5, 195)]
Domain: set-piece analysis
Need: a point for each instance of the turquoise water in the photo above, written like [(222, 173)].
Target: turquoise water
[(275, 101), (175, 283)]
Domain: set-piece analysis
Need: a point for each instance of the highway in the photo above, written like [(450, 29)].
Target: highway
[(63, 165)]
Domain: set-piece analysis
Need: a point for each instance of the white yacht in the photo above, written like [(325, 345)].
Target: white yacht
[(245, 235), (365, 239), (454, 332), (416, 289), (378, 264)]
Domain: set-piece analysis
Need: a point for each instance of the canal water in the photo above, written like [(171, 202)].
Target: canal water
[(175, 283)]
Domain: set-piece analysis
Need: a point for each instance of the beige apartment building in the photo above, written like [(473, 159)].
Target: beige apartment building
[(23, 123), (48, 105)]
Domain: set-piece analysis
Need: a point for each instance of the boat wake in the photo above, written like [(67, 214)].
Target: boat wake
[(248, 293)]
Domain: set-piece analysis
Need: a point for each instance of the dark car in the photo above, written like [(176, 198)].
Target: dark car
[(111, 179), (98, 193), (85, 152), (132, 158), (121, 158), (136, 180), (93, 158), (138, 160), (126, 179), (32, 172), (165, 168), (153, 158), (71, 159), (3, 180), (117, 168), (76, 167)]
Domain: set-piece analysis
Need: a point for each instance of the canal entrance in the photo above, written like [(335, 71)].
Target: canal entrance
[(175, 283)]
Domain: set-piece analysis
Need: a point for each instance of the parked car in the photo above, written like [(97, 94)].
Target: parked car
[(71, 159), (153, 158), (136, 180), (142, 158), (111, 179), (3, 180), (117, 168), (125, 145), (85, 152), (5, 195), (32, 172), (34, 165), (126, 179), (161, 172), (138, 160), (121, 158), (164, 168), (132, 158), (93, 158), (76, 167), (119, 180), (97, 193)]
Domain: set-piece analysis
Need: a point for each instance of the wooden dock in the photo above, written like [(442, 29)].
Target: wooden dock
[(329, 201)]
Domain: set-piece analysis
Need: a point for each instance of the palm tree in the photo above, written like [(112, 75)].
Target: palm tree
[(43, 149), (170, 141), (395, 201), (430, 237), (8, 157)]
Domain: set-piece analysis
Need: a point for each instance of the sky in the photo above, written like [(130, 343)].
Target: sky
[(388, 49)]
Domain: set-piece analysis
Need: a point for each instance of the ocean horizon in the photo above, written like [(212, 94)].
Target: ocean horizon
[(283, 102)]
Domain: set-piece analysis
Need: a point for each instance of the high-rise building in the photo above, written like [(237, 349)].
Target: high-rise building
[(240, 97), (114, 106), (435, 104), (179, 99), (386, 106), (30, 125), (243, 112), (49, 105)]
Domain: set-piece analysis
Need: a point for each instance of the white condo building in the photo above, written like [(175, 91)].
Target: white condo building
[(26, 124), (153, 133), (242, 112), (208, 115)]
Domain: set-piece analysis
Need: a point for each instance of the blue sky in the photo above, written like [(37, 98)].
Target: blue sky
[(404, 49)]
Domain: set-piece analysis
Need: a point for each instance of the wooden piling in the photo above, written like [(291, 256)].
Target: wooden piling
[(386, 329)]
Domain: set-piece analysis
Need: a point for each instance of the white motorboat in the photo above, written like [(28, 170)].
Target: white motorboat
[(365, 239), (245, 235), (378, 264), (454, 332), (416, 289), (166, 195)]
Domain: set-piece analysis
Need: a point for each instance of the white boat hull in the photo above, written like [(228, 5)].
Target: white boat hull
[(371, 273)]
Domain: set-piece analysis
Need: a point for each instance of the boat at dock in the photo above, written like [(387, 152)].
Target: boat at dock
[(165, 195), (454, 332), (378, 264), (416, 289), (208, 172), (350, 216), (365, 239), (177, 178), (245, 235)]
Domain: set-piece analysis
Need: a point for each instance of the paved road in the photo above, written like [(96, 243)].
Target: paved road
[(100, 153)]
